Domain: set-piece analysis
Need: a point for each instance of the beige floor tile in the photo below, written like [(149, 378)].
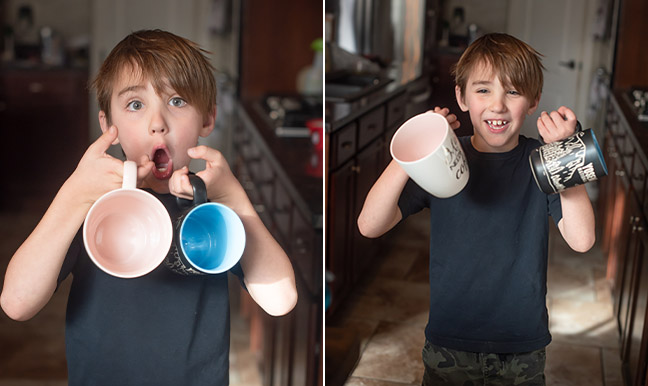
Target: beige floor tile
[(362, 328), (393, 354), (583, 323), (571, 365)]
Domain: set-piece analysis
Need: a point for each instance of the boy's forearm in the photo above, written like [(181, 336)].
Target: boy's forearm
[(577, 225), (268, 273), (32, 273), (380, 211)]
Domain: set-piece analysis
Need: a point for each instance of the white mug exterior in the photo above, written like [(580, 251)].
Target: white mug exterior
[(428, 150)]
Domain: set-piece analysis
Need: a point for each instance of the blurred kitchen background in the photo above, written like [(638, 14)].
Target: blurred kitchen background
[(268, 60), (389, 60)]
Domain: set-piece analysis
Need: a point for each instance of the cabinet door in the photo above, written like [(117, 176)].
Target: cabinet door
[(635, 340), (339, 218), (368, 169)]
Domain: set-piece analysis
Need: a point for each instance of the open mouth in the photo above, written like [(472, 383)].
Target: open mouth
[(497, 124), (163, 163)]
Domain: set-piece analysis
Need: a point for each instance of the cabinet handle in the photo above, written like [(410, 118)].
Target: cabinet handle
[(619, 173), (346, 144), (35, 87), (356, 169)]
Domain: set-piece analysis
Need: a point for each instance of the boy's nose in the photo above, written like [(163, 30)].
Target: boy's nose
[(497, 105), (157, 130)]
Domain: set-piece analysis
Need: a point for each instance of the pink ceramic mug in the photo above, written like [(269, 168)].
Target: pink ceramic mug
[(127, 232)]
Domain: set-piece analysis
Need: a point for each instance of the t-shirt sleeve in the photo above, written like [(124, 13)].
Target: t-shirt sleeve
[(71, 257), (413, 199), (554, 207)]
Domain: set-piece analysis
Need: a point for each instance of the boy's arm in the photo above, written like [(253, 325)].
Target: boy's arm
[(32, 273), (268, 273), (577, 223), (380, 211)]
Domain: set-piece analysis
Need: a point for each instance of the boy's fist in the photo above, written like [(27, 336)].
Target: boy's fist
[(557, 125)]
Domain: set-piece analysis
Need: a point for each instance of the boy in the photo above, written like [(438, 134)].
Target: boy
[(156, 93), (488, 320)]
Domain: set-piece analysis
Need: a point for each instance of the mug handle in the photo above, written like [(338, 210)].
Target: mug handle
[(199, 193)]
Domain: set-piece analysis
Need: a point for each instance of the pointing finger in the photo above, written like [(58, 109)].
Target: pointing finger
[(103, 143)]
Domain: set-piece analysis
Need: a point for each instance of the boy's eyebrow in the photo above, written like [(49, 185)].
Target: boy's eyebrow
[(130, 88), (481, 82)]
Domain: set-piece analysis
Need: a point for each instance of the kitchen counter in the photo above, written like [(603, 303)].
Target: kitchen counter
[(338, 114), (293, 159)]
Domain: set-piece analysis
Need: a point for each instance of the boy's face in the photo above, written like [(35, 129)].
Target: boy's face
[(161, 127), (497, 111)]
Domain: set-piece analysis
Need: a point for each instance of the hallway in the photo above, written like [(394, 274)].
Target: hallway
[(389, 313)]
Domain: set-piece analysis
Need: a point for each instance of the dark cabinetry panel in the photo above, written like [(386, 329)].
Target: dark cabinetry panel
[(44, 125), (625, 239)]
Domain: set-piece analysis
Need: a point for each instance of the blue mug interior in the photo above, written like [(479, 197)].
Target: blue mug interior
[(205, 238)]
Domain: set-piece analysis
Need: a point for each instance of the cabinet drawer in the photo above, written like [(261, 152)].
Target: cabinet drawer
[(344, 144), (396, 110), (371, 126), (282, 210), (638, 177), (42, 88), (303, 251)]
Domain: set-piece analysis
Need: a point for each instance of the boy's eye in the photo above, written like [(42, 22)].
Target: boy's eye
[(177, 102), (513, 92), (134, 105), (482, 91)]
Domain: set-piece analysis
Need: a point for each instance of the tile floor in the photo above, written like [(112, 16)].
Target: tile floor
[(32, 353), (389, 313)]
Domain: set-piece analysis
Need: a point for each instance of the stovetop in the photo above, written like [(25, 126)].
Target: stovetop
[(289, 113)]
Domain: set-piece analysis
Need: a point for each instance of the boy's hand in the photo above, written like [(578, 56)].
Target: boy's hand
[(451, 118), (221, 184), (556, 125), (97, 172)]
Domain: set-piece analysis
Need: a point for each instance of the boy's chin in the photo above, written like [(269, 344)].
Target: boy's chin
[(156, 184)]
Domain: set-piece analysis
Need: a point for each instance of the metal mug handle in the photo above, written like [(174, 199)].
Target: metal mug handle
[(199, 193)]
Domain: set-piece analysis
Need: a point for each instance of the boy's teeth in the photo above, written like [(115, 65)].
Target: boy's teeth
[(496, 122)]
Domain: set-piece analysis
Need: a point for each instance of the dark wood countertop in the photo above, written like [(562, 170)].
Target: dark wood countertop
[(293, 159), (338, 114)]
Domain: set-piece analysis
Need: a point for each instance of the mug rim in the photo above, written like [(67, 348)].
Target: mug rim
[(422, 116), (166, 225)]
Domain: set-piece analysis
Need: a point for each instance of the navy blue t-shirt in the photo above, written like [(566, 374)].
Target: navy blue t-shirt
[(488, 255), (159, 329)]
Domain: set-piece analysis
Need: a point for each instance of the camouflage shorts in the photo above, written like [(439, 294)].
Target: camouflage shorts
[(451, 367)]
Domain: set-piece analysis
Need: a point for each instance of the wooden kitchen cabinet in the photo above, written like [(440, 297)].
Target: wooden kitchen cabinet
[(44, 125), (273, 173), (623, 211), (359, 152)]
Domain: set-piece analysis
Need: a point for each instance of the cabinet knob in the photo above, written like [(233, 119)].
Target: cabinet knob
[(356, 169), (619, 173), (35, 87)]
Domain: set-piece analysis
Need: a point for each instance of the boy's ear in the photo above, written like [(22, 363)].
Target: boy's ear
[(460, 100), (208, 123), (533, 106), (103, 122)]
